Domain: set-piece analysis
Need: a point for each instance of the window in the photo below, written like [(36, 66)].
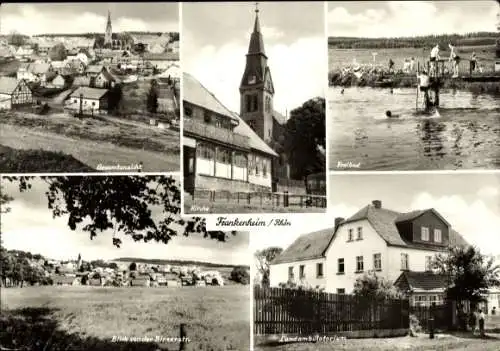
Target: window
[(223, 156), (377, 262), (255, 103), (319, 270), (350, 237), (290, 273), (257, 165), (205, 151), (248, 103), (425, 234), (341, 291), (437, 235), (264, 168), (75, 101), (428, 262), (188, 112), (302, 274), (405, 265), (93, 103), (359, 263), (218, 122), (207, 117), (340, 266), (251, 124), (360, 233)]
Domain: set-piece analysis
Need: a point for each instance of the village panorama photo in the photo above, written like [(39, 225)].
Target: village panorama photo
[(403, 262), (254, 123), (89, 87), (139, 277)]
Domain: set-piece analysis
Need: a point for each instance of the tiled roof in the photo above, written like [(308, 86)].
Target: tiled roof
[(422, 280), (167, 56), (7, 85), (94, 68), (89, 93), (306, 247), (314, 245)]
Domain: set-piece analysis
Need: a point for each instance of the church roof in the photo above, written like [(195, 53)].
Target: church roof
[(255, 141), (256, 45)]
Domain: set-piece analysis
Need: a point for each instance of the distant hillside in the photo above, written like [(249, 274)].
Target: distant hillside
[(173, 262), (471, 39)]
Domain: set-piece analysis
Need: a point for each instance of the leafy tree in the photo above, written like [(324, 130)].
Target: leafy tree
[(372, 286), (305, 132), (16, 39), (58, 52), (240, 275), (264, 258), (470, 273), (122, 205), (115, 96), (152, 98), (133, 266)]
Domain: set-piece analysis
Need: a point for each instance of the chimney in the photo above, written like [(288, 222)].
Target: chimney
[(338, 220), (377, 203)]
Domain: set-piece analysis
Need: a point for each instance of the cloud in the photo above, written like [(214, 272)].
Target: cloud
[(410, 18), (477, 223), (298, 70), (32, 20), (271, 33), (488, 192)]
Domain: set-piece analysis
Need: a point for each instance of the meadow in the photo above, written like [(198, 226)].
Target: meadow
[(63, 318)]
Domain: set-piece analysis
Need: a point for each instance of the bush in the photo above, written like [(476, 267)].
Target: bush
[(240, 275), (415, 326)]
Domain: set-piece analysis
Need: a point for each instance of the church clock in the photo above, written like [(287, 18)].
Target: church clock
[(252, 79)]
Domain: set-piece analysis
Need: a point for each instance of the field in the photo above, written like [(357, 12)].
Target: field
[(76, 318), (93, 141), (338, 58)]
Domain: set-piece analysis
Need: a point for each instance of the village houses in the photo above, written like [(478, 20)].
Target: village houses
[(396, 246), (14, 93)]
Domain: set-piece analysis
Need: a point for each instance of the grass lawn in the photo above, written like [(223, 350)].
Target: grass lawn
[(87, 318), (202, 206), (93, 141), (441, 342)]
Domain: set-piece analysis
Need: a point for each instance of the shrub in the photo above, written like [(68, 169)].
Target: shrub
[(240, 275), (415, 326)]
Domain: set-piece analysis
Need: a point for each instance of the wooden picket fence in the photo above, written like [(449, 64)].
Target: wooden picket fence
[(442, 315), (291, 311)]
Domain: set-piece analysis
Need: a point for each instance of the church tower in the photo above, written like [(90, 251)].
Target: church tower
[(109, 31), (256, 87)]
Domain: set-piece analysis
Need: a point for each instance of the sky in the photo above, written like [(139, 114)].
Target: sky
[(373, 19), (72, 18), (215, 42), (29, 226), (469, 202)]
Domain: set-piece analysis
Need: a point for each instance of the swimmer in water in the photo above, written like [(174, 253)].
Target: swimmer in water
[(389, 114)]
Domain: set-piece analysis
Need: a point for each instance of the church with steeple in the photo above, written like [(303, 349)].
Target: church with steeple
[(115, 41), (256, 100), (108, 35)]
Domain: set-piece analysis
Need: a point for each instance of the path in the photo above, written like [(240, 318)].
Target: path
[(90, 152)]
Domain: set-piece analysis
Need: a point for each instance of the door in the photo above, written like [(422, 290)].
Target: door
[(189, 168)]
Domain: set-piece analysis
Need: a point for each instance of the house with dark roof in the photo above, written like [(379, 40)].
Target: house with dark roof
[(373, 239), (14, 93), (220, 150)]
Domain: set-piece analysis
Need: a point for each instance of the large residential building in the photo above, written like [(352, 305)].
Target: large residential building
[(396, 246), (220, 150)]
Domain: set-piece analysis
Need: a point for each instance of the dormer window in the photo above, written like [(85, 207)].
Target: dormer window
[(437, 235), (207, 117), (425, 234), (252, 79)]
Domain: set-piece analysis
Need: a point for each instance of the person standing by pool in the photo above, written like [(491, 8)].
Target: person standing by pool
[(455, 59), (423, 86), (473, 61), (434, 58)]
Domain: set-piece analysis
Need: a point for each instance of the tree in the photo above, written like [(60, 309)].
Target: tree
[(16, 39), (152, 98), (115, 96), (133, 266), (371, 286), (305, 132), (121, 205), (469, 273), (240, 275), (264, 258), (58, 52)]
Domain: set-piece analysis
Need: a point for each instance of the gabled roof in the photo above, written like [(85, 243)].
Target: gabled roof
[(94, 68), (279, 117), (8, 85), (421, 281), (196, 94), (89, 93), (409, 216), (314, 245), (306, 247)]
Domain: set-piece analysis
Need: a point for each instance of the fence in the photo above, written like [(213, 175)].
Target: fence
[(287, 311), (442, 314), (264, 199)]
